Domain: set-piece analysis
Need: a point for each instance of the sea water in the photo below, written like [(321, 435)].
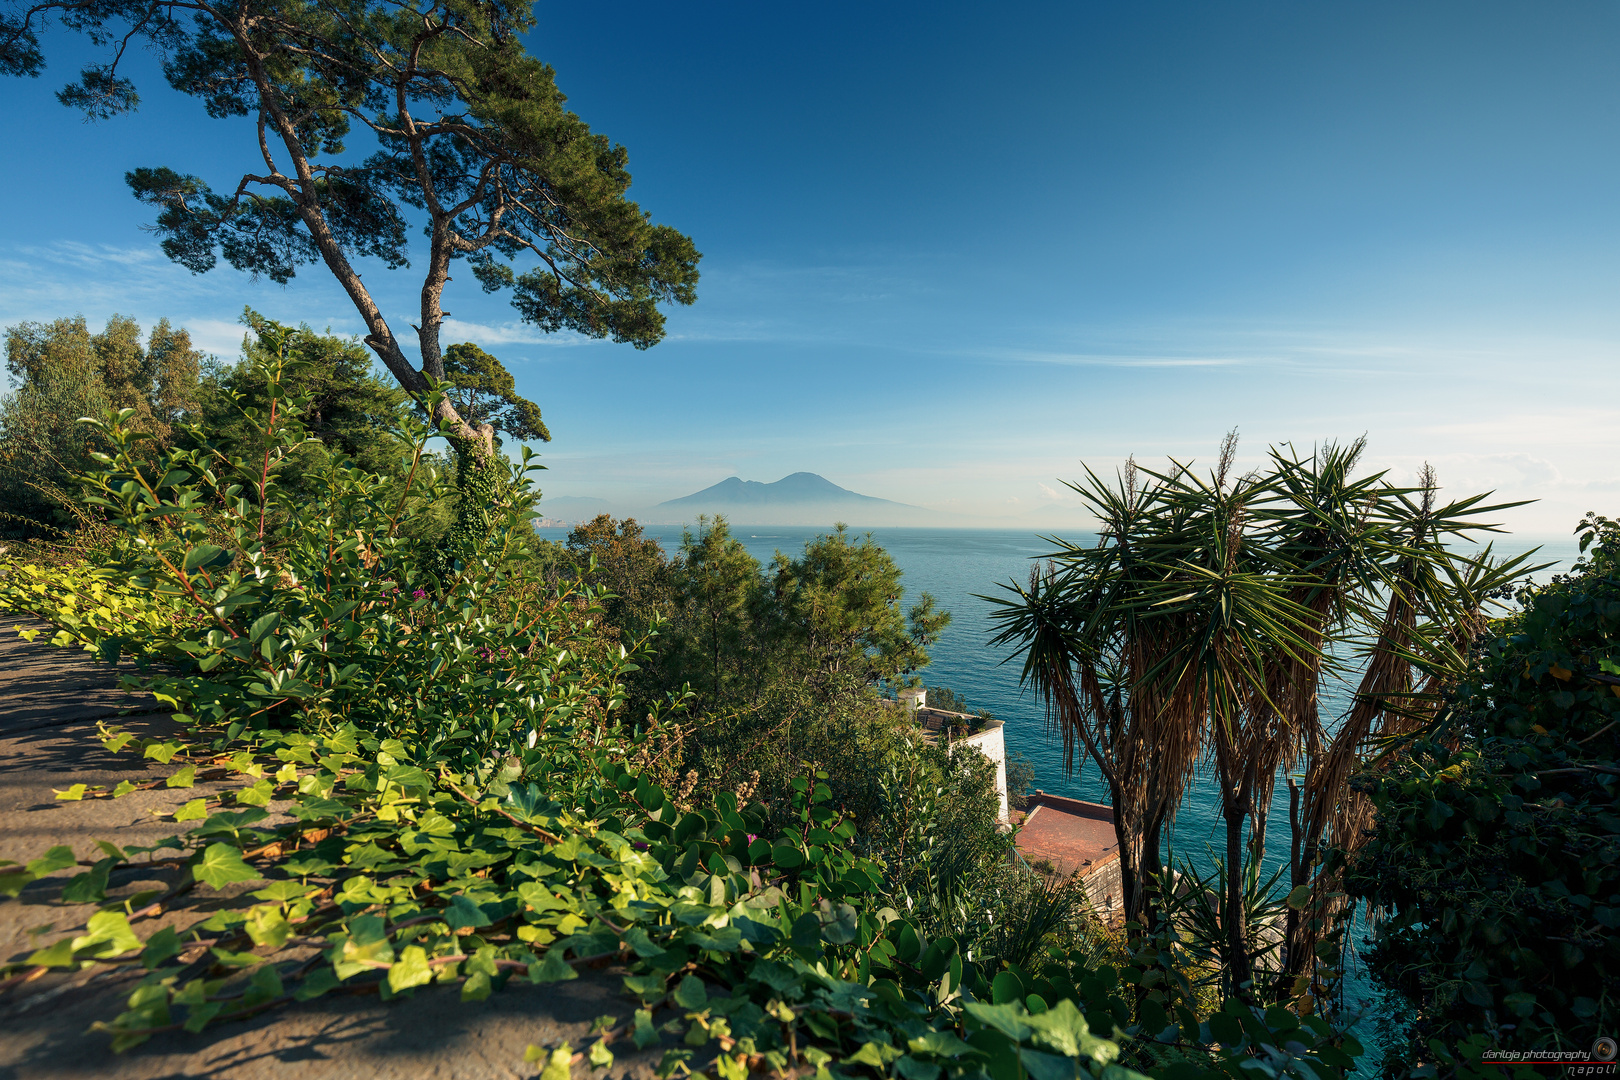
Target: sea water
[(961, 566)]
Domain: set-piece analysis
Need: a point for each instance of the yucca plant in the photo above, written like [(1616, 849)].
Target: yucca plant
[(1201, 628)]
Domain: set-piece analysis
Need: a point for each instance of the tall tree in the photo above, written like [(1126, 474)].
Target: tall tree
[(1202, 626), (718, 644), (630, 565), (64, 371), (472, 136), (351, 413), (839, 610)]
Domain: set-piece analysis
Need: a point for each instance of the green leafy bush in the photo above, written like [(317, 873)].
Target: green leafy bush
[(1497, 847)]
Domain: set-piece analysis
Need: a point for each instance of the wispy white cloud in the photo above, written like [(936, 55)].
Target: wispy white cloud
[(217, 336), (84, 256), (509, 333), (1121, 361)]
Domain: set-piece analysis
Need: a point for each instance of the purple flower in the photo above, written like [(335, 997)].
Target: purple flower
[(752, 837), (419, 594), (639, 845)]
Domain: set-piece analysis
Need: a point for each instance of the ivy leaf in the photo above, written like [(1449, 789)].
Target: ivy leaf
[(1064, 1029), (89, 887), (526, 800), (942, 1043), (411, 969), (283, 891), (257, 795), (268, 928), (161, 946), (185, 778), (221, 865), (876, 1054), (59, 954), (265, 985), (909, 1068), (367, 944), (318, 983), (691, 994), (462, 914), (196, 808), (162, 752), (108, 933), (636, 938), (1048, 1066), (646, 987), (12, 882), (644, 1034), (1009, 1019), (305, 865), (59, 857), (559, 1068), (477, 987), (552, 969), (228, 822), (778, 977)]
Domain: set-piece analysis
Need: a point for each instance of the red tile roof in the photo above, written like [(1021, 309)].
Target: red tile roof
[(1070, 834)]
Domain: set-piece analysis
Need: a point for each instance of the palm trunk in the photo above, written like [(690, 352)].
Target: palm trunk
[(1237, 974)]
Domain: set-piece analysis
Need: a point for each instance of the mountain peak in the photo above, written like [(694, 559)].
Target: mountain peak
[(794, 489)]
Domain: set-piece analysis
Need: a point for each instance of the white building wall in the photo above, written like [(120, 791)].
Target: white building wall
[(992, 743)]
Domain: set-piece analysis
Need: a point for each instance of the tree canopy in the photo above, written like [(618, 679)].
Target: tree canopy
[(62, 372), (471, 138), (350, 412), (484, 392), (1495, 852)]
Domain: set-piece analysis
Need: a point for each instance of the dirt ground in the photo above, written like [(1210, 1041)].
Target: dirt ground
[(50, 702)]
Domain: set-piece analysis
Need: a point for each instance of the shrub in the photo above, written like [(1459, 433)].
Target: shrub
[(1497, 846)]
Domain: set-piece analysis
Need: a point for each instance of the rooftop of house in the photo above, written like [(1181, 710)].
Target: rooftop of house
[(936, 721), (1070, 834)]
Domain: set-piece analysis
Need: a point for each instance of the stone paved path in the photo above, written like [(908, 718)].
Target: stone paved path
[(50, 701)]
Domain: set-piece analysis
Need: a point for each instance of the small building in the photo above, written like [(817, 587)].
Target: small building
[(1075, 837), (1056, 835)]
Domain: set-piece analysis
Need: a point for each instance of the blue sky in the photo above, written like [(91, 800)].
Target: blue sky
[(951, 251)]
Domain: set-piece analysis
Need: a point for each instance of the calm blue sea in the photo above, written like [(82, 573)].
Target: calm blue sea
[(958, 565)]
